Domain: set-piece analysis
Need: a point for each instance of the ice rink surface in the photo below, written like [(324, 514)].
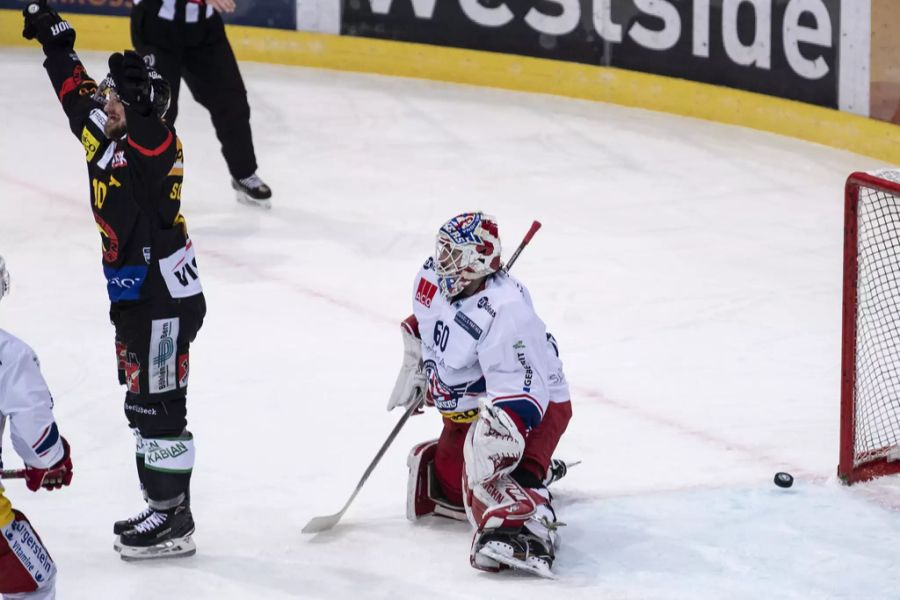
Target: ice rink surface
[(690, 271)]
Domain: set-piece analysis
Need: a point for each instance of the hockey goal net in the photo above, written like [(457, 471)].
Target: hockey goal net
[(870, 370)]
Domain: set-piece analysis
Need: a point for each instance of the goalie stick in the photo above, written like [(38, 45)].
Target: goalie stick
[(326, 522)]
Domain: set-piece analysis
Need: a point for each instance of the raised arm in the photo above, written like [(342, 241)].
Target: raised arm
[(71, 82), (145, 96)]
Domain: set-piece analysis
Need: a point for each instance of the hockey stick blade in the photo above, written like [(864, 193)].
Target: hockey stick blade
[(326, 522)]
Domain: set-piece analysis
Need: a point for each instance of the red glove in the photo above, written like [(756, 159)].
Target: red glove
[(55, 477)]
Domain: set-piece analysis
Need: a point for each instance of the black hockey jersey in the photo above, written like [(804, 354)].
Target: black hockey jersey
[(135, 185)]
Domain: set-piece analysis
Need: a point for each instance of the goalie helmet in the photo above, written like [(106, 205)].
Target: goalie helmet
[(468, 248), (4, 279)]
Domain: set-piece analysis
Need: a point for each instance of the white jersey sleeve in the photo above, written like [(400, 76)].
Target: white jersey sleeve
[(26, 401), (514, 359)]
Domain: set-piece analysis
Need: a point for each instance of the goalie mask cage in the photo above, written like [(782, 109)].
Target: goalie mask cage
[(870, 364)]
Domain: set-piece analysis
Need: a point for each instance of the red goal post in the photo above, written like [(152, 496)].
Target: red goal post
[(870, 363)]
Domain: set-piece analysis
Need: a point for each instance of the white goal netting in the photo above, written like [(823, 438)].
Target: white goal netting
[(877, 378)]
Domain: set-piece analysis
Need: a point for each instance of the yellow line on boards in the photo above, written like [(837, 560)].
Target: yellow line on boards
[(846, 131)]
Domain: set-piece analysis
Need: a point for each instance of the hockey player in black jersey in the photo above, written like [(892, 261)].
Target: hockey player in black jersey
[(135, 167)]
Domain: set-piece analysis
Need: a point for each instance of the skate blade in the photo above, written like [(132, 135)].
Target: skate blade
[(541, 570), (253, 202), (177, 548)]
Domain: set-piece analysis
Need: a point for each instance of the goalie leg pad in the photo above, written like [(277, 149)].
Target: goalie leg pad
[(494, 445), (25, 565), (424, 493)]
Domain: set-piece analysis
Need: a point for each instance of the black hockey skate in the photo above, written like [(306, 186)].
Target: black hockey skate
[(557, 470), (522, 551), (163, 534), (120, 527), (253, 191)]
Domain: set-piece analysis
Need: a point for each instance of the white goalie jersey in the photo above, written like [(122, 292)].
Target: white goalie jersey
[(490, 344), (26, 400)]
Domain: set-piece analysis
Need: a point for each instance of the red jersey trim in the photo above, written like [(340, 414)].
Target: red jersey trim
[(155, 151)]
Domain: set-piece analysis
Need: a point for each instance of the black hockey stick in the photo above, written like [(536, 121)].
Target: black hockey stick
[(12, 474), (326, 522)]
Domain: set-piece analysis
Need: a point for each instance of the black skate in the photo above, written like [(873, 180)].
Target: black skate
[(557, 470), (521, 551), (120, 527), (163, 534), (253, 191)]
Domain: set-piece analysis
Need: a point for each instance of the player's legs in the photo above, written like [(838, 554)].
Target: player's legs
[(26, 570), (156, 370), (211, 72), (541, 443), (448, 460)]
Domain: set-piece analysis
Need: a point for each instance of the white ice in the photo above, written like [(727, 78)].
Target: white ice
[(690, 271)]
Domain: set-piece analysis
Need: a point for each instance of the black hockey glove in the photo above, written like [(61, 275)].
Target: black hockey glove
[(132, 81), (45, 24)]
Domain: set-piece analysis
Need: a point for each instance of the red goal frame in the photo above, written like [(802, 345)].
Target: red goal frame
[(878, 467)]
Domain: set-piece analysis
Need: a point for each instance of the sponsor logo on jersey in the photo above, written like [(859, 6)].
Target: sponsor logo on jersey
[(98, 117), (156, 453), (118, 160), (124, 283), (90, 143), (164, 333), (429, 264), (184, 369), (133, 373), (485, 305), (425, 292), (180, 272), (468, 325), (529, 374), (466, 416)]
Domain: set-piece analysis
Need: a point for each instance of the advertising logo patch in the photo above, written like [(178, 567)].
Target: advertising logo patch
[(425, 292), (184, 369), (468, 325), (485, 304), (124, 283), (133, 374), (90, 143), (163, 336), (180, 272)]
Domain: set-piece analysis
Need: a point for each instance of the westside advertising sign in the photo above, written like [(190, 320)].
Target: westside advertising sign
[(786, 48)]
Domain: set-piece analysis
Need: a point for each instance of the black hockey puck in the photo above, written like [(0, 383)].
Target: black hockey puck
[(784, 480)]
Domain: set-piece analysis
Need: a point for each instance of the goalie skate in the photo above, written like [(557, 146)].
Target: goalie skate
[(517, 551)]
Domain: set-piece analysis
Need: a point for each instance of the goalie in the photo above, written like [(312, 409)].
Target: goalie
[(475, 349)]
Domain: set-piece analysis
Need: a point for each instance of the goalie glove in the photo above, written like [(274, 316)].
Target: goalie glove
[(410, 385)]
